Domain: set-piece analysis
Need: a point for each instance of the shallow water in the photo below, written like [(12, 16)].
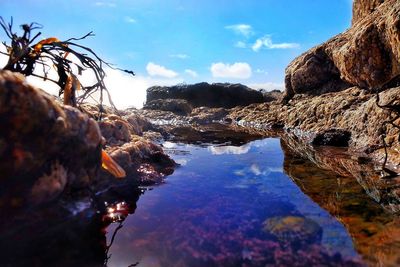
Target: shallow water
[(235, 206)]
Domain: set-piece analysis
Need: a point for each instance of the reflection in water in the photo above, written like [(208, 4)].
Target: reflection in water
[(67, 233), (250, 205), (232, 210), (374, 228), (237, 150)]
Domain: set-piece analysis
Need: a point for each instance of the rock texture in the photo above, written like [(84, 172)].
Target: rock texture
[(44, 148), (367, 55), (353, 110), (48, 150), (209, 95), (144, 161), (178, 106)]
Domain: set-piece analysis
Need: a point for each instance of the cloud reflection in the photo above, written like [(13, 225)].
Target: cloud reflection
[(235, 150)]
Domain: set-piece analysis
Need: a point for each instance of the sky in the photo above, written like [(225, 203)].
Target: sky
[(166, 42)]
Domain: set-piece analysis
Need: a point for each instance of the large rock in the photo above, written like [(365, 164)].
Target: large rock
[(362, 8), (367, 55), (210, 95), (353, 111), (49, 150), (178, 106), (45, 148)]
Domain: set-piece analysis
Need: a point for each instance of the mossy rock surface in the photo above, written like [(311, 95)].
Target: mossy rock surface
[(293, 230)]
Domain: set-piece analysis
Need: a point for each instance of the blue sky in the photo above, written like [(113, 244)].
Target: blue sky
[(172, 41)]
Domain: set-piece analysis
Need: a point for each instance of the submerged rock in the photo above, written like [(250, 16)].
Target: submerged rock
[(294, 230)]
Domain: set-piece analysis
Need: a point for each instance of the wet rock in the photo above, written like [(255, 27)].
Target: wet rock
[(367, 55), (353, 110), (374, 181), (144, 162), (353, 192), (204, 115), (332, 137), (46, 148), (210, 95), (115, 130), (294, 230)]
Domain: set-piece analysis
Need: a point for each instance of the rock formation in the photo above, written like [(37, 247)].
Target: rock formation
[(48, 149), (367, 55), (44, 147), (210, 95), (352, 111)]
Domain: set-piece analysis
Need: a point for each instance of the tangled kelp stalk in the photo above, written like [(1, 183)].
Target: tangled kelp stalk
[(25, 56)]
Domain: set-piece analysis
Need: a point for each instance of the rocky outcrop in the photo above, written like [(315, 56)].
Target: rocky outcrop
[(353, 111), (48, 150), (367, 55), (274, 95), (44, 148), (209, 95), (363, 8), (144, 162), (178, 106)]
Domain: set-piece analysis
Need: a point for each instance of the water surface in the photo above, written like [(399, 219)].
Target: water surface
[(235, 206)]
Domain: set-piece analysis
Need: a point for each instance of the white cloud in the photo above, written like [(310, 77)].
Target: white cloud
[(261, 71), (266, 42), (191, 73), (268, 86), (3, 58), (126, 90), (130, 20), (255, 169), (238, 70), (180, 56), (240, 44), (157, 70), (241, 29), (105, 4)]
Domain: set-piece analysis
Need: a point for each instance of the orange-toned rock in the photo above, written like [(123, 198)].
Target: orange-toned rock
[(367, 55), (45, 148)]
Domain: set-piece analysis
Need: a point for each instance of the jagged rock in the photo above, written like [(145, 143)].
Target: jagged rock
[(144, 162), (353, 110), (274, 95), (210, 95), (178, 106), (362, 8), (367, 55), (115, 130), (204, 115), (45, 148)]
